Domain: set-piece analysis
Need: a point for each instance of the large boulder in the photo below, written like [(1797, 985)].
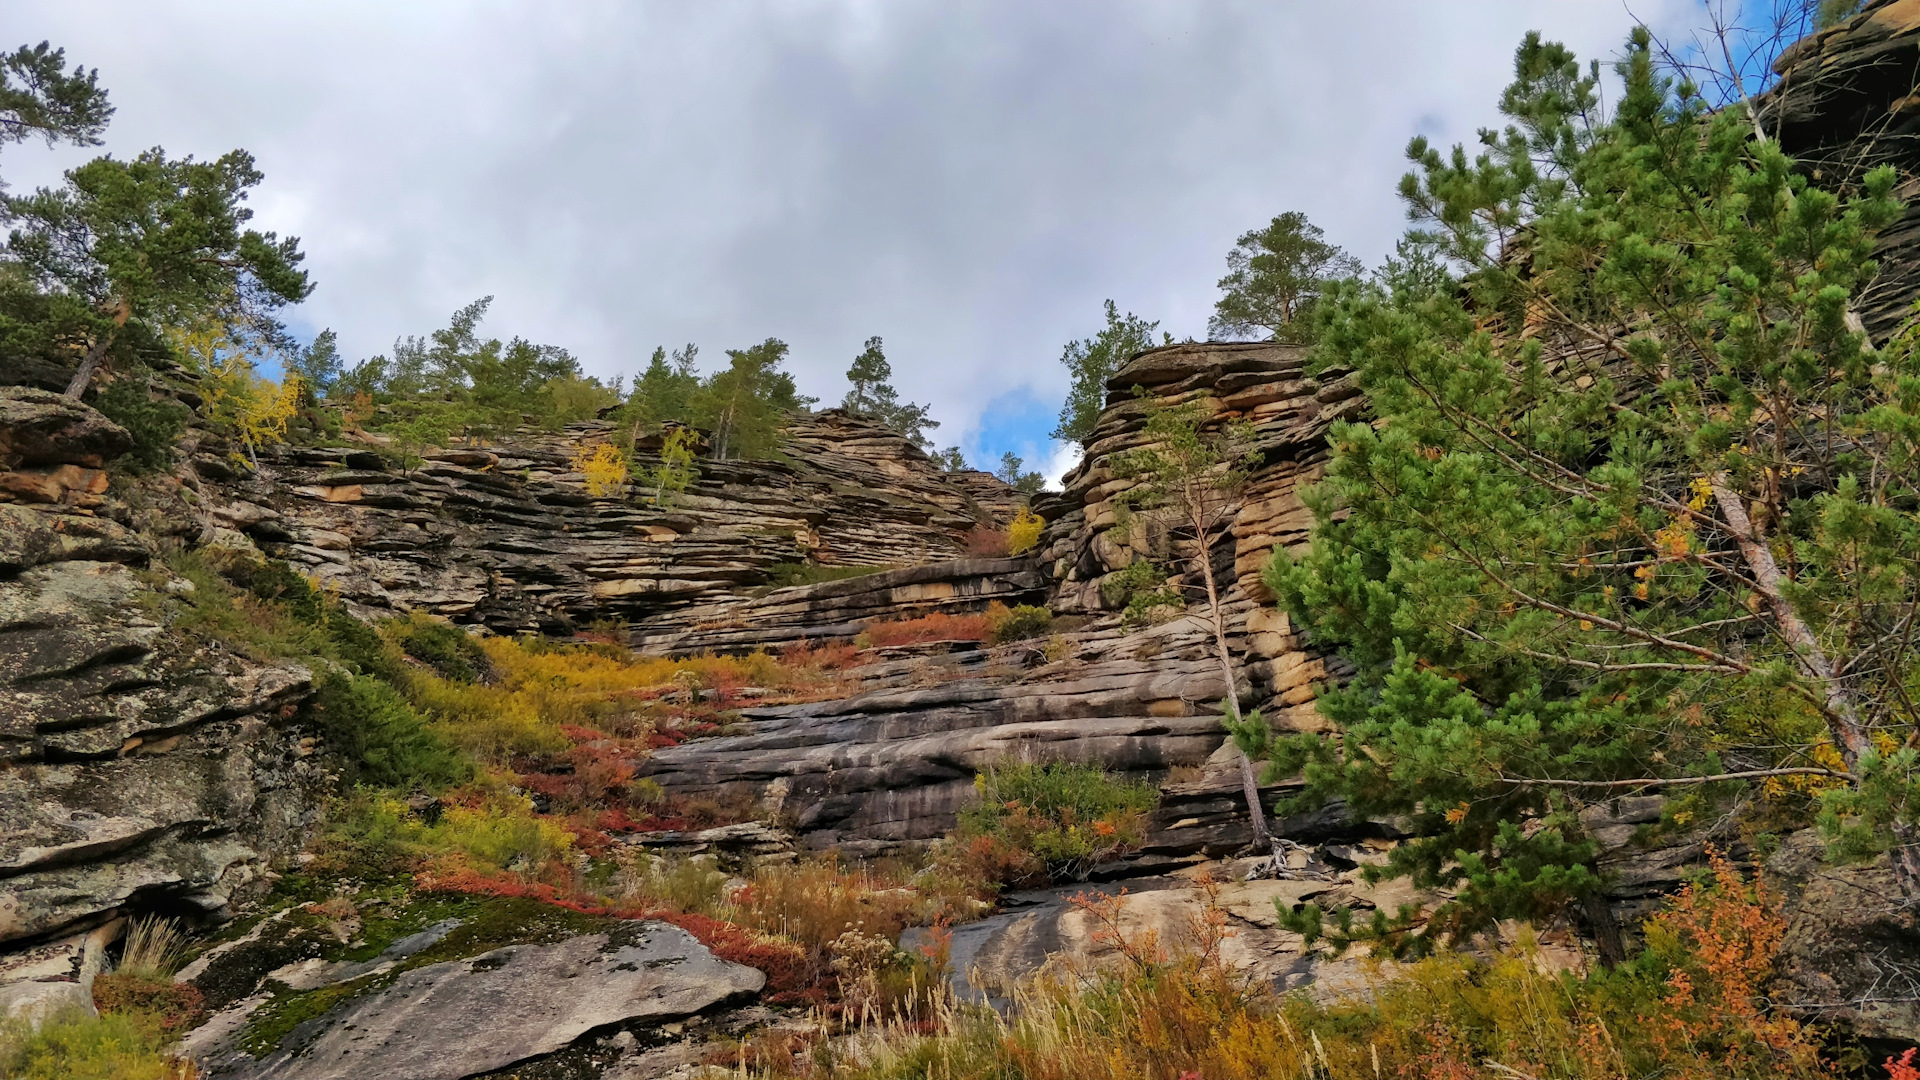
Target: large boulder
[(39, 427), (470, 1017)]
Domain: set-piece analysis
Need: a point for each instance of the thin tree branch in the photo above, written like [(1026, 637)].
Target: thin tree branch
[(1675, 781)]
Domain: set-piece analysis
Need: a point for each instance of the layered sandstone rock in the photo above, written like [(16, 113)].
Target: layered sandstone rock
[(510, 537), (139, 766)]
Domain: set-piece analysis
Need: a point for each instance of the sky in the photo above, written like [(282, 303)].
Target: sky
[(967, 180)]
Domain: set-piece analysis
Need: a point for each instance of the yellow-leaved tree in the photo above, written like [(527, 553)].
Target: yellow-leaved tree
[(604, 468), (238, 399), (1024, 531)]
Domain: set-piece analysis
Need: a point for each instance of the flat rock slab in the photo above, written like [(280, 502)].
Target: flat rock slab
[(464, 1018)]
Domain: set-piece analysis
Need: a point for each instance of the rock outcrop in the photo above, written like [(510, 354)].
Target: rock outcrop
[(509, 536), (138, 764), (894, 764), (1846, 102), (477, 1015)]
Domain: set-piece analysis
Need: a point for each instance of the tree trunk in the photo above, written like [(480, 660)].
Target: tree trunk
[(1841, 711), (90, 363), (1606, 930), (1248, 784)]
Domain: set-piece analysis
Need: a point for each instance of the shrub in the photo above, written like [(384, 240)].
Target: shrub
[(75, 1046), (175, 1007), (380, 738), (939, 626), (1069, 816), (485, 829), (603, 468), (829, 656), (223, 608), (782, 575), (1141, 592), (986, 542), (155, 423), (1017, 624), (451, 652), (1024, 531)]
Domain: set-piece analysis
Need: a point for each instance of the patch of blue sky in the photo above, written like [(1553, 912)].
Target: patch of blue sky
[(1019, 422)]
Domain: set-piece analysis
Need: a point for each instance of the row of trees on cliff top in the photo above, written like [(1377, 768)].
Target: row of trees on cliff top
[(132, 265)]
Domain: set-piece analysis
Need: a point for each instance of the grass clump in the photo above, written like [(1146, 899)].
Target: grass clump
[(1058, 820), (152, 948)]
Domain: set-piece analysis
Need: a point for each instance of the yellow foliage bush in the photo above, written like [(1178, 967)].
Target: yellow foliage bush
[(538, 688), (1024, 531), (604, 467)]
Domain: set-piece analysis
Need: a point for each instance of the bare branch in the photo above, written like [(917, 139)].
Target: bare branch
[(1676, 781)]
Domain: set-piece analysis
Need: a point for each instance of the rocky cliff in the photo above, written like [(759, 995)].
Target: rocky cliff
[(148, 767)]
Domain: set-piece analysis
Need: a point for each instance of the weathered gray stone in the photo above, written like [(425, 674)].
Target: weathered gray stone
[(38, 427), (143, 765), (34, 1002), (463, 1018)]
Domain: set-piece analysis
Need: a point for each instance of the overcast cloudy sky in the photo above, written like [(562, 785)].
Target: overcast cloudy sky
[(968, 180)]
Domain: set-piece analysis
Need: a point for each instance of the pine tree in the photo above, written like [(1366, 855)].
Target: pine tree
[(1011, 474), (664, 392), (1190, 474), (874, 397), (1274, 275), (951, 460), (318, 365), (1091, 363), (39, 97), (1639, 508), (458, 383), (150, 243), (744, 404)]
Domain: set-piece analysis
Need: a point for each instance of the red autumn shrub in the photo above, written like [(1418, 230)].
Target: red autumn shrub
[(177, 1006), (987, 543), (938, 626)]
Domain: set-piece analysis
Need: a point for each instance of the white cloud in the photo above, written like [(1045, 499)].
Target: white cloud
[(1065, 456), (967, 180)]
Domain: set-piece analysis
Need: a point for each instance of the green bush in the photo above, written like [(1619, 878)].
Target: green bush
[(1070, 816), (1021, 623), (450, 651), (224, 608), (1139, 591), (381, 738), (155, 423), (75, 1046)]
